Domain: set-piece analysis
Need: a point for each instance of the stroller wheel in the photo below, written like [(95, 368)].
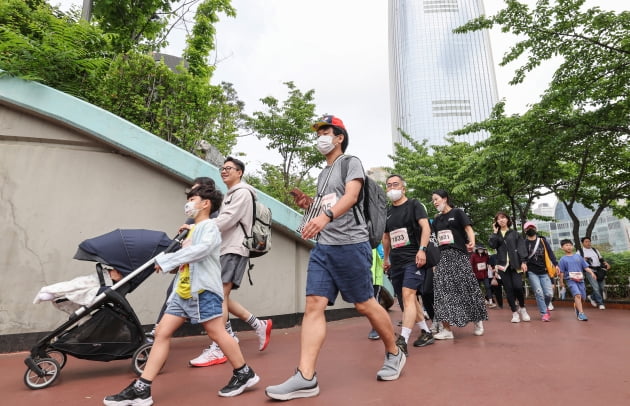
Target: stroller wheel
[(49, 373), (140, 357), (58, 356)]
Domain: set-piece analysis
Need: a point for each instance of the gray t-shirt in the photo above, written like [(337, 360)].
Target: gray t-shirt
[(344, 230)]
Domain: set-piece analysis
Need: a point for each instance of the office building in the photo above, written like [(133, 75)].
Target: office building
[(439, 81)]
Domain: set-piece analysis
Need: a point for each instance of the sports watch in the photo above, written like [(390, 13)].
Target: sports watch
[(330, 214)]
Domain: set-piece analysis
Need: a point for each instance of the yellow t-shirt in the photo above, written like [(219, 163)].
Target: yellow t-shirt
[(183, 283)]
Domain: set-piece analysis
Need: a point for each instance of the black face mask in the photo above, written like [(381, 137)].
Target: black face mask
[(530, 232)]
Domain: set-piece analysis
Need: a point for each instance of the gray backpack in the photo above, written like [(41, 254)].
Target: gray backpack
[(258, 239)]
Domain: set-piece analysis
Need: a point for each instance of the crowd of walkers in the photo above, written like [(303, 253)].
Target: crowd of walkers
[(457, 290)]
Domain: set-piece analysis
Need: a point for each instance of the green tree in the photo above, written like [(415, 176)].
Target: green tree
[(578, 131), (38, 42), (270, 180), (145, 25), (286, 127), (505, 167), (133, 24), (178, 107), (451, 167)]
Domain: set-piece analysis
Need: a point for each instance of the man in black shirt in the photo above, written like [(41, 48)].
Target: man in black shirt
[(405, 243)]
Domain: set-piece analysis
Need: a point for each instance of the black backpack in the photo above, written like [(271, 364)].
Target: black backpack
[(374, 208)]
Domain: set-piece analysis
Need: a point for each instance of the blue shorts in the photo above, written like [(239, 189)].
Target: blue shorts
[(576, 288), (340, 268), (206, 307), (407, 276)]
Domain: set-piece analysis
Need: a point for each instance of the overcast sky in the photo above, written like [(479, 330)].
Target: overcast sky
[(339, 49)]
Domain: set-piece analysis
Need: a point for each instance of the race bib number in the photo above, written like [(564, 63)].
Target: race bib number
[(481, 266), (328, 201), (445, 237), (399, 237), (576, 276)]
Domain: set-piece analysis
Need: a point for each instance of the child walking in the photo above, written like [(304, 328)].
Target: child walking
[(197, 296), (571, 269)]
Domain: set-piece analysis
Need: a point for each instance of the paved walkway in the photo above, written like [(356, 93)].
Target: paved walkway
[(564, 362)]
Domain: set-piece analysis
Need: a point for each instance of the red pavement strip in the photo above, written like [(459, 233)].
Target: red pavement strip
[(564, 362)]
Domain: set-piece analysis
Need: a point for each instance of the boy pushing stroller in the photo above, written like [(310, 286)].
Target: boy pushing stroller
[(197, 296)]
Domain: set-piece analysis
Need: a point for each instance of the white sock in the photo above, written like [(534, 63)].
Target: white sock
[(423, 325), (405, 332), (253, 321)]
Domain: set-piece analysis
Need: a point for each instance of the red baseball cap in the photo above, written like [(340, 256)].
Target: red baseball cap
[(329, 120)]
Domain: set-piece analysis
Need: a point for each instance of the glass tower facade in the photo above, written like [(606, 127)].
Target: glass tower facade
[(440, 81)]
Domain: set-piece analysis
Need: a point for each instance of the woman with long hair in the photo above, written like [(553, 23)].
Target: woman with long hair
[(511, 263), (458, 299)]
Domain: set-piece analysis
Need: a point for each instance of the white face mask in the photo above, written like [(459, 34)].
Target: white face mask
[(325, 144), (441, 207), (394, 195), (190, 210)]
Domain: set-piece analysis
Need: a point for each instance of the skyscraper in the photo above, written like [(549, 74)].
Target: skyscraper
[(440, 81)]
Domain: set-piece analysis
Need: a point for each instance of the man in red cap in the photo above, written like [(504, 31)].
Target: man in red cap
[(339, 263)]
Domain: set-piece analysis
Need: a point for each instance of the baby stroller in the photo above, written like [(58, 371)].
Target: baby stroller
[(108, 329)]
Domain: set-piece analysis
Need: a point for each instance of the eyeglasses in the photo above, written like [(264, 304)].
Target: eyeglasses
[(393, 184), (227, 168)]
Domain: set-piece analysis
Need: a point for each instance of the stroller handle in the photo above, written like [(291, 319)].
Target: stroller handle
[(177, 241)]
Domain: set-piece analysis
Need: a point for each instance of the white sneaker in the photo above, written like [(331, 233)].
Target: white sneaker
[(444, 335), (478, 331), (524, 316), (209, 356), (550, 307), (593, 302), (515, 318), (264, 334), (602, 307)]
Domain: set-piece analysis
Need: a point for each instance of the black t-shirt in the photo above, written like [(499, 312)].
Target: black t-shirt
[(536, 260), (404, 231), (449, 229)]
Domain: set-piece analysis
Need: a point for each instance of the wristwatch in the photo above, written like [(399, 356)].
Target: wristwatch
[(330, 214), (422, 248)]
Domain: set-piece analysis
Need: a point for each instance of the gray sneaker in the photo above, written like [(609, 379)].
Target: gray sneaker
[(392, 367), (295, 387)]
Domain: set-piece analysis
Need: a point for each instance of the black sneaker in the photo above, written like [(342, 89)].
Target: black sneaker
[(239, 382), (402, 344), (130, 396), (425, 338)]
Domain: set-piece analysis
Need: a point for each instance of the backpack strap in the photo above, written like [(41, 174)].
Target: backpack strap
[(249, 261), (344, 172), (253, 214), (535, 248)]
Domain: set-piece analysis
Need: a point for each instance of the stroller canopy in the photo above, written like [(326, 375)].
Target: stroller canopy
[(124, 250)]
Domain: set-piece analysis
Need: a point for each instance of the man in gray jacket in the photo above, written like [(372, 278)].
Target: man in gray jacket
[(235, 216)]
